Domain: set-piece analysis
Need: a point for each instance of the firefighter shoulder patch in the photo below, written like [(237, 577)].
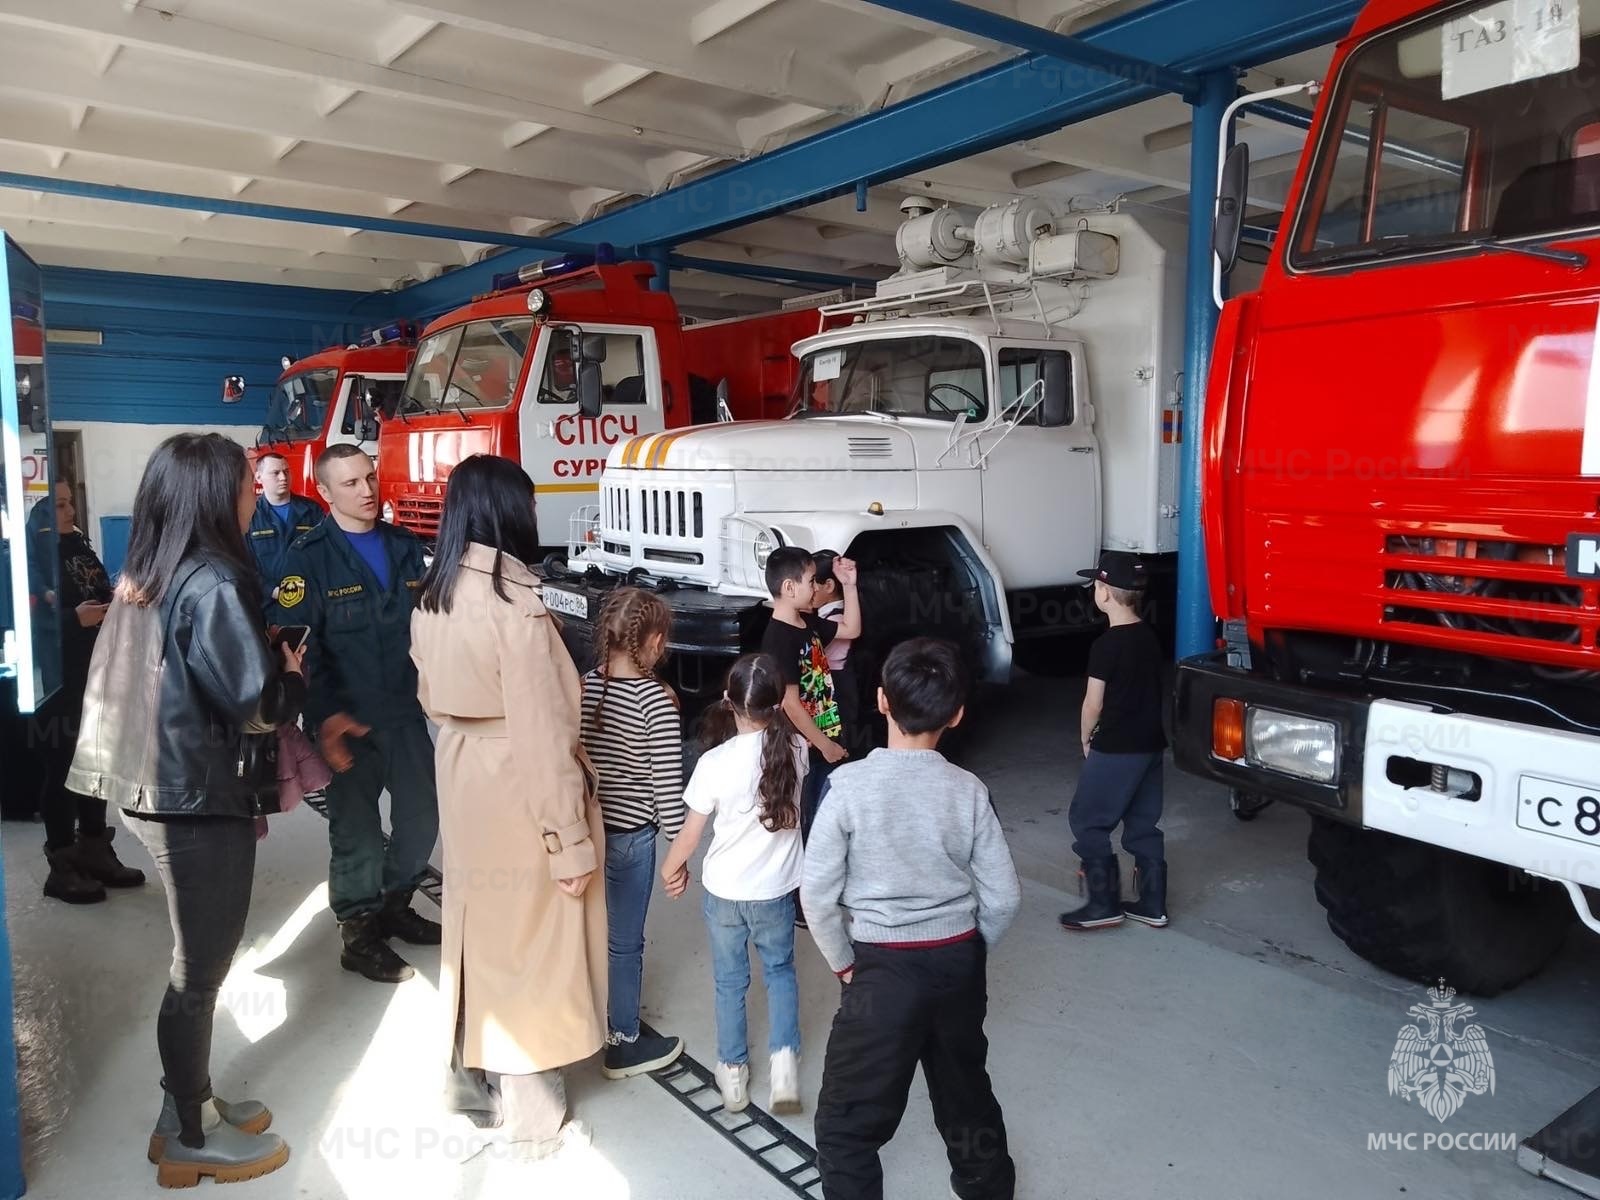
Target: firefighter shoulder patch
[(291, 591)]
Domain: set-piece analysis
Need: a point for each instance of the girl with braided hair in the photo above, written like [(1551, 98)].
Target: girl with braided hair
[(748, 783), (632, 734)]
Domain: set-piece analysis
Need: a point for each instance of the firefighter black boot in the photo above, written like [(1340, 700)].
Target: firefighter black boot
[(366, 953), (1102, 885), (1150, 881)]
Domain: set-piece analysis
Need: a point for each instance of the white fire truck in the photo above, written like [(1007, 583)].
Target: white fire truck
[(1005, 406)]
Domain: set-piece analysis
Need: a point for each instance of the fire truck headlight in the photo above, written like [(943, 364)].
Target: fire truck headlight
[(388, 511), (763, 544), (1299, 746), (538, 300), (24, 385)]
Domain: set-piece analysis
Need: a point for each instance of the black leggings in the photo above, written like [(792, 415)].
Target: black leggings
[(206, 865)]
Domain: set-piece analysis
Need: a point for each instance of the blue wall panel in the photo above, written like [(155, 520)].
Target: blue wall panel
[(167, 343)]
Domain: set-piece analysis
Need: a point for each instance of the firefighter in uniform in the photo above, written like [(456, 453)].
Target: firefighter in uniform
[(354, 581), (280, 517)]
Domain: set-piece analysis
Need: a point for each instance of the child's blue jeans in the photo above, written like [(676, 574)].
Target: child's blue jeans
[(630, 876), (733, 925)]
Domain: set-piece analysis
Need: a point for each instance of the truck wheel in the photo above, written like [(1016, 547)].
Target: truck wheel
[(1427, 913), (1058, 656)]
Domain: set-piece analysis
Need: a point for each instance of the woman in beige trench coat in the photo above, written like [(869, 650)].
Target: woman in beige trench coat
[(523, 966)]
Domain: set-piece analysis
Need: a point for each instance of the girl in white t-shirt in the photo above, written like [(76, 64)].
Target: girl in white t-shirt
[(748, 784)]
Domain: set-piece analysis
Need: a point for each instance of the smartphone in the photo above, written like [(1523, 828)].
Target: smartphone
[(293, 636)]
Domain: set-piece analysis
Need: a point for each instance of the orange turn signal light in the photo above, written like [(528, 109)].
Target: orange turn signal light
[(1227, 729)]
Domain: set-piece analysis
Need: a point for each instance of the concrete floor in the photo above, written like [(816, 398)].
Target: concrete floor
[(1240, 1053)]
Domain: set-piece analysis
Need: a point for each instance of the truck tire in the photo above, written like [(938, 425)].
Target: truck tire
[(1426, 913)]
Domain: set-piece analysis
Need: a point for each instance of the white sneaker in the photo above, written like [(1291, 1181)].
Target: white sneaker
[(785, 1083), (733, 1080)]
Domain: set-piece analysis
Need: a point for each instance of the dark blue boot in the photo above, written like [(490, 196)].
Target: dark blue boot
[(1102, 885), (1150, 881)]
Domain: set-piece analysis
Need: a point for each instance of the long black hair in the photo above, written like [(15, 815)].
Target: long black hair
[(489, 500), (187, 503), (755, 692)]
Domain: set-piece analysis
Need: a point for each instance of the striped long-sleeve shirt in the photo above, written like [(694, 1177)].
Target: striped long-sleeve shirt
[(637, 749)]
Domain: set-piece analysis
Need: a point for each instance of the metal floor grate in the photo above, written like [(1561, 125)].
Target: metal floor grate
[(759, 1135), (755, 1133)]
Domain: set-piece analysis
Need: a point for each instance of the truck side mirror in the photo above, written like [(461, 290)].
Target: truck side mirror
[(724, 409), (233, 389), (590, 393), (1055, 409), (1229, 225), (592, 347)]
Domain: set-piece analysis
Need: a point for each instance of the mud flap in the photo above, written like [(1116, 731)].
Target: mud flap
[(1567, 1151)]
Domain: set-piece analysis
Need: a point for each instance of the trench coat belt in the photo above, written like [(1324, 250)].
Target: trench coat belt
[(483, 727)]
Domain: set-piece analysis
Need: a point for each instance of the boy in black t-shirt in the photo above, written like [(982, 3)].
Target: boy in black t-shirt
[(1123, 744), (798, 639)]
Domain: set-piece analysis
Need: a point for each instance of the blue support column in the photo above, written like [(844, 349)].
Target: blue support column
[(1196, 622), (661, 256)]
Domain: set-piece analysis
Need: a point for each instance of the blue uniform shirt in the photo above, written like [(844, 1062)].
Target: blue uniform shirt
[(370, 546)]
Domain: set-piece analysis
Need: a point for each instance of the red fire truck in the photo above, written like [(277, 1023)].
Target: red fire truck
[(336, 395), (1402, 494), (562, 361)]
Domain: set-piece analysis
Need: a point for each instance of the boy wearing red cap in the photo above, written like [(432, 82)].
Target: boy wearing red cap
[(1123, 748)]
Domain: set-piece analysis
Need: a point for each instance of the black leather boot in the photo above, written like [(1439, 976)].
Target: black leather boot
[(67, 882), (1102, 885), (97, 860), (1150, 881), (366, 953), (398, 919)]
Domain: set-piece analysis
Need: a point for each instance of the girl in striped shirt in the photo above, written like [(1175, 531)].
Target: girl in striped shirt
[(632, 733)]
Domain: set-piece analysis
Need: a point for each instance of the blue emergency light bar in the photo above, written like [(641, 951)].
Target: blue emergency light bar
[(395, 331), (28, 312), (548, 268)]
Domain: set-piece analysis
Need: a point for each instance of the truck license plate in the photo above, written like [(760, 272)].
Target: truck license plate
[(569, 603), (1559, 809)]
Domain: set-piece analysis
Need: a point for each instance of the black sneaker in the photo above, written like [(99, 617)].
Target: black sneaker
[(640, 1056)]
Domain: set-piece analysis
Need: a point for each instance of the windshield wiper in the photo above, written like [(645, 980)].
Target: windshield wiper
[(1391, 247), (1540, 248)]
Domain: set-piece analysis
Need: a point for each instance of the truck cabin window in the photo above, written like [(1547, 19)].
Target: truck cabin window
[(385, 395), (1473, 125), (299, 405), (472, 366), (937, 377), (621, 374)]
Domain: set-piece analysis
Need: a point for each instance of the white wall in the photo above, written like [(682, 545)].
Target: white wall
[(114, 455)]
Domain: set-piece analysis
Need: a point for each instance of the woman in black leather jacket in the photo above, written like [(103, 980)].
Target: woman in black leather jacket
[(179, 730)]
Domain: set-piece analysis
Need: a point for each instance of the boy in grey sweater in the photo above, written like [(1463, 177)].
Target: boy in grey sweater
[(909, 849)]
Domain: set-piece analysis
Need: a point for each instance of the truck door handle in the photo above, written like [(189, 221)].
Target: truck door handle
[(1081, 449)]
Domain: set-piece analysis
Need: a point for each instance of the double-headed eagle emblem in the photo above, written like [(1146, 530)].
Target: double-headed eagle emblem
[(1442, 1059)]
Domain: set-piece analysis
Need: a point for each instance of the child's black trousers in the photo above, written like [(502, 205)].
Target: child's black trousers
[(905, 1007)]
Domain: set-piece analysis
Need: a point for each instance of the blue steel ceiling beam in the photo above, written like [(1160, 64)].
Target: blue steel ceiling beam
[(1026, 97), (279, 212), (1007, 31), (305, 216), (768, 274)]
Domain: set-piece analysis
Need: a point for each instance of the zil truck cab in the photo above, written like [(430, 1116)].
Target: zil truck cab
[(1003, 408)]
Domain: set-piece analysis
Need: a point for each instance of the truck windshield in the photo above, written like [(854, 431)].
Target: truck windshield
[(299, 405), (938, 377), (471, 366), (1474, 125)]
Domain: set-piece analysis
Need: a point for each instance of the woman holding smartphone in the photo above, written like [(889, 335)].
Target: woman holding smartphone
[(179, 730)]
